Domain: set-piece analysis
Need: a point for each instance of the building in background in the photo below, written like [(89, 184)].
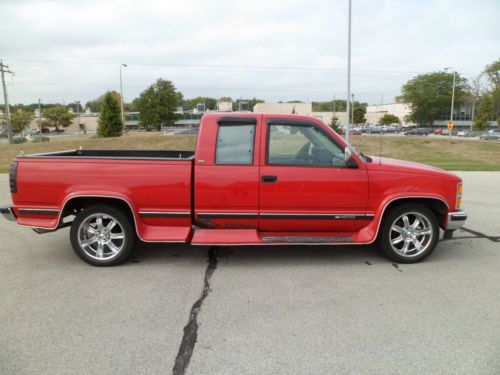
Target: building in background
[(375, 112), (304, 109), (225, 105)]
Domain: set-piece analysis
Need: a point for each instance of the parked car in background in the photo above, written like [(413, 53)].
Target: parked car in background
[(438, 131), (375, 129), (419, 131), (466, 133), (490, 135)]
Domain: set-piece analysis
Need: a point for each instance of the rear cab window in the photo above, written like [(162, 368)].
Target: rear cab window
[(235, 144)]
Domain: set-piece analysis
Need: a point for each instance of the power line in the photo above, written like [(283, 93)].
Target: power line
[(215, 66)]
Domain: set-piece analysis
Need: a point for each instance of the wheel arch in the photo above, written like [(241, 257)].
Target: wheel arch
[(438, 206), (76, 203)]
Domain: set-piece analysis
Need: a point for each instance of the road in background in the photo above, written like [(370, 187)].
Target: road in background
[(276, 310)]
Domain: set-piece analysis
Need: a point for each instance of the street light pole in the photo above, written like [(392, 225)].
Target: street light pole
[(472, 116), (40, 115), (121, 94), (348, 69), (77, 102), (352, 109), (452, 100)]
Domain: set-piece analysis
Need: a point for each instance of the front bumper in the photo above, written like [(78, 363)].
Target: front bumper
[(456, 220), (8, 213)]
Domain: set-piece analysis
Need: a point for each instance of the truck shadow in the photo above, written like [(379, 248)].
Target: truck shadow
[(259, 255)]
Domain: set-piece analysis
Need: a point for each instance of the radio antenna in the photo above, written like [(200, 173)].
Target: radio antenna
[(380, 148)]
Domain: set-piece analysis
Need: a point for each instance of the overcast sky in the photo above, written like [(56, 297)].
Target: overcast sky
[(271, 49)]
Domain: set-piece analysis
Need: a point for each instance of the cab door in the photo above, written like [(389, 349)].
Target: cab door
[(305, 183), (226, 173)]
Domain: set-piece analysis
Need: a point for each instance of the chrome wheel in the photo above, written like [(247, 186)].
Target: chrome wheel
[(411, 234), (101, 236)]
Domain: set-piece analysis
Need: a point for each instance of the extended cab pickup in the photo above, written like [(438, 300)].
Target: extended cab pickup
[(254, 179)]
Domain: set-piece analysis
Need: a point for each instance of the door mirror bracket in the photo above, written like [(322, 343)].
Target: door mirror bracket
[(349, 161)]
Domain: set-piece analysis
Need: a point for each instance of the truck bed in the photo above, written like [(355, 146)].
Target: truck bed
[(154, 185)]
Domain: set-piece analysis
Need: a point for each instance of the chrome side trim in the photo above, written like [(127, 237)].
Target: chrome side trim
[(332, 216), (456, 220), (308, 239), (266, 215), (8, 213)]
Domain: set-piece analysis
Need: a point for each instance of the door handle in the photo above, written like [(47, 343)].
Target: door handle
[(269, 178)]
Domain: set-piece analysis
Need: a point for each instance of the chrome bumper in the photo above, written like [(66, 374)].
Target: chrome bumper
[(8, 213), (456, 220)]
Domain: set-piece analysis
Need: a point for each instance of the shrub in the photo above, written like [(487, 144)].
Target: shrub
[(110, 122), (40, 138), (19, 140)]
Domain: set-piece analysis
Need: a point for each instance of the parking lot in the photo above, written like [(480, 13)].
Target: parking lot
[(255, 310)]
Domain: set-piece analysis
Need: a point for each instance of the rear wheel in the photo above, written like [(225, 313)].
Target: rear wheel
[(409, 233), (102, 235)]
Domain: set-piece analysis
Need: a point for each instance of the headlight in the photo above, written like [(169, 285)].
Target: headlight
[(459, 196)]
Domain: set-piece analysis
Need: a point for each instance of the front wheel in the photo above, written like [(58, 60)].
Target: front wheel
[(409, 233), (102, 235)]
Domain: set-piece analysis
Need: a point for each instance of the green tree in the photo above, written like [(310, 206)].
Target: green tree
[(389, 119), (110, 122), (429, 95), (158, 103), (359, 115), (329, 106), (95, 104), (485, 112), (492, 73), (335, 125), (21, 120), (210, 103), (57, 117)]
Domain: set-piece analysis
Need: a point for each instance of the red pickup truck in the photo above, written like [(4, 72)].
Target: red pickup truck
[(254, 179)]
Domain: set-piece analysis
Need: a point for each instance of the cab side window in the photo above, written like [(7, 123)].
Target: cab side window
[(235, 145), (302, 145)]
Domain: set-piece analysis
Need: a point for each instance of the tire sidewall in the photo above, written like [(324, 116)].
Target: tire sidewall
[(384, 239), (119, 216)]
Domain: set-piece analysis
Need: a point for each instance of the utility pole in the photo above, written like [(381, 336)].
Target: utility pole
[(40, 115), (348, 68), (6, 99)]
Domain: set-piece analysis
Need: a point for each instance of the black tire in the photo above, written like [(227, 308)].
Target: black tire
[(109, 257), (387, 234)]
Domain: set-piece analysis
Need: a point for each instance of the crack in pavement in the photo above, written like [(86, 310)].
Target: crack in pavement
[(191, 329)]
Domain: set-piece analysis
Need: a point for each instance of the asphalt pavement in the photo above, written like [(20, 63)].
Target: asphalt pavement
[(257, 310)]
